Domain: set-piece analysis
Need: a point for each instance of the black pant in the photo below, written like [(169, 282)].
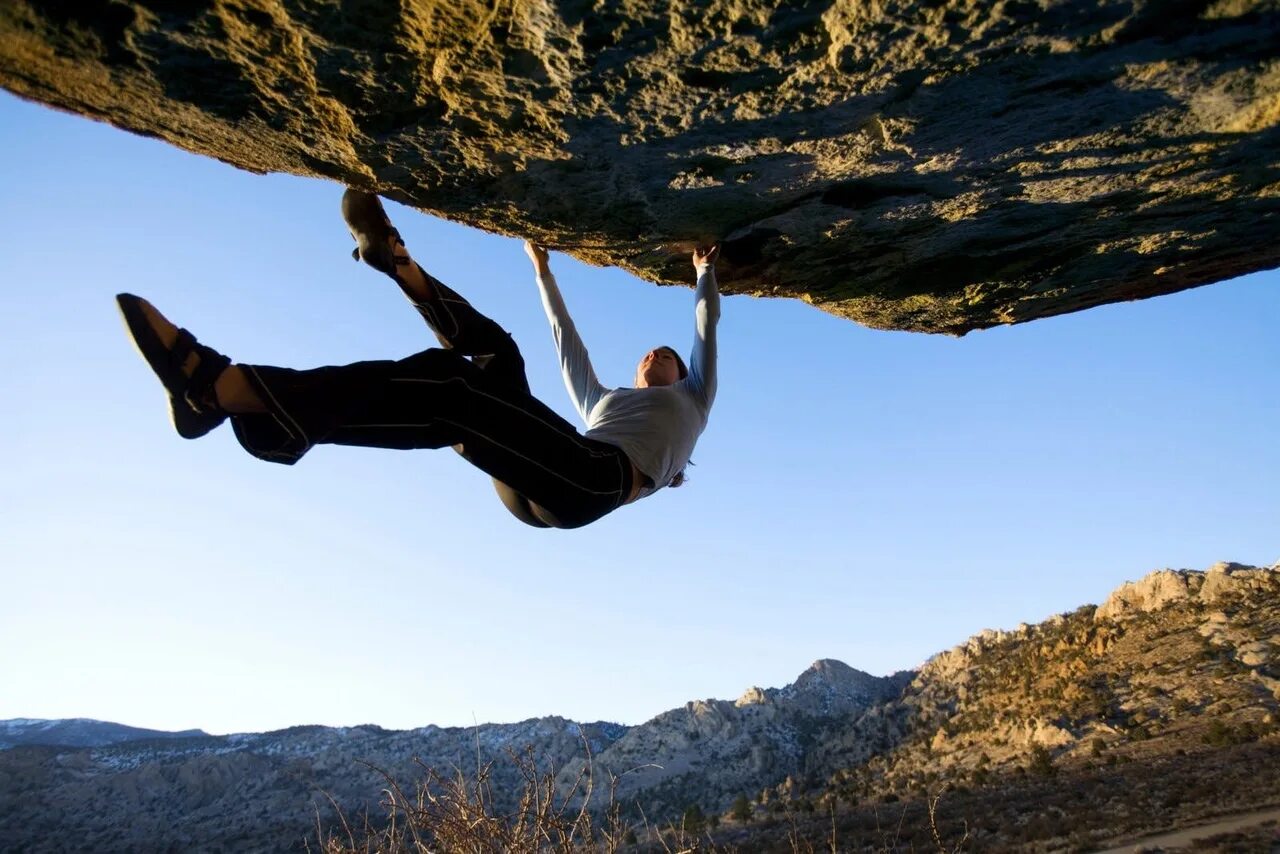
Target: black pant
[(545, 471)]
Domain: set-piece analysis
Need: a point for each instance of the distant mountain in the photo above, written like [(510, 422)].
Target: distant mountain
[(78, 732), (709, 751), (1157, 708)]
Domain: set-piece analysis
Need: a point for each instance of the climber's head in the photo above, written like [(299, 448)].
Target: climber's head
[(660, 366)]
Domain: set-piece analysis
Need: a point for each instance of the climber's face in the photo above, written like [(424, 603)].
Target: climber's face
[(659, 366)]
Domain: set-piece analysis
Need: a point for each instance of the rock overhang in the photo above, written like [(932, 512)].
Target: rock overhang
[(930, 166)]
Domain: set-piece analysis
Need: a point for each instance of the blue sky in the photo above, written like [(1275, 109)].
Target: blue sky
[(868, 496)]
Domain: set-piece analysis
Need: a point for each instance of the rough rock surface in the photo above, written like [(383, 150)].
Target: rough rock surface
[(939, 165), (1151, 593), (1175, 660), (710, 749), (1166, 586)]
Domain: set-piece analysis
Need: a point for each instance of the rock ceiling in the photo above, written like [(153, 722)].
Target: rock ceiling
[(936, 166)]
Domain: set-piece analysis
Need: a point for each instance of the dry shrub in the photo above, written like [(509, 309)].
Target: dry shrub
[(455, 813)]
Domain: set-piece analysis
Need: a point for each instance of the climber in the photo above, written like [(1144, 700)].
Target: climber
[(470, 394)]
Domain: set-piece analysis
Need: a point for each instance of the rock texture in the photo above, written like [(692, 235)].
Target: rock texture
[(938, 165), (710, 750), (1168, 586), (1156, 651)]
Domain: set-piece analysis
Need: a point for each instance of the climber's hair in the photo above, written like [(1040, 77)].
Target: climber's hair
[(679, 479), (684, 369)]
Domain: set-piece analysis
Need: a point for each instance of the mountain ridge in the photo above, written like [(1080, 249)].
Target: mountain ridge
[(1178, 661), (80, 732)]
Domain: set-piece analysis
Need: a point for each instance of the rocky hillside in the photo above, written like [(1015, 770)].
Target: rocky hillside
[(1155, 710), (710, 750), (1181, 659), (1160, 663), (935, 165), (249, 792), (1152, 710)]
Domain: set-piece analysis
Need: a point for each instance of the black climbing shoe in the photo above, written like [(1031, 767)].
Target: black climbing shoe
[(372, 230), (193, 405)]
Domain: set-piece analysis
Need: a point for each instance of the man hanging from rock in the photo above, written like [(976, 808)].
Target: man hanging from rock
[(471, 393)]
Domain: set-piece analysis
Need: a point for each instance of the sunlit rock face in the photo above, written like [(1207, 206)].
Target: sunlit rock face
[(938, 166)]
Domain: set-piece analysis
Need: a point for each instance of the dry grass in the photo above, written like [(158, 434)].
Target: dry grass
[(457, 813)]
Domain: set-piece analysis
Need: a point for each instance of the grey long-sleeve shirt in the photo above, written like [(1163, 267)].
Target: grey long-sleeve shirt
[(656, 427)]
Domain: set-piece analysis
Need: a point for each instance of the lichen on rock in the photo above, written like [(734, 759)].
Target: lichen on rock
[(932, 166)]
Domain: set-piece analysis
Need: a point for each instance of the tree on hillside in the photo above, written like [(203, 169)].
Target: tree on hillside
[(1042, 761), (694, 820), (741, 809)]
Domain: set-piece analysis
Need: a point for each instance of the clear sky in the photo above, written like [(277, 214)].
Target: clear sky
[(868, 496)]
